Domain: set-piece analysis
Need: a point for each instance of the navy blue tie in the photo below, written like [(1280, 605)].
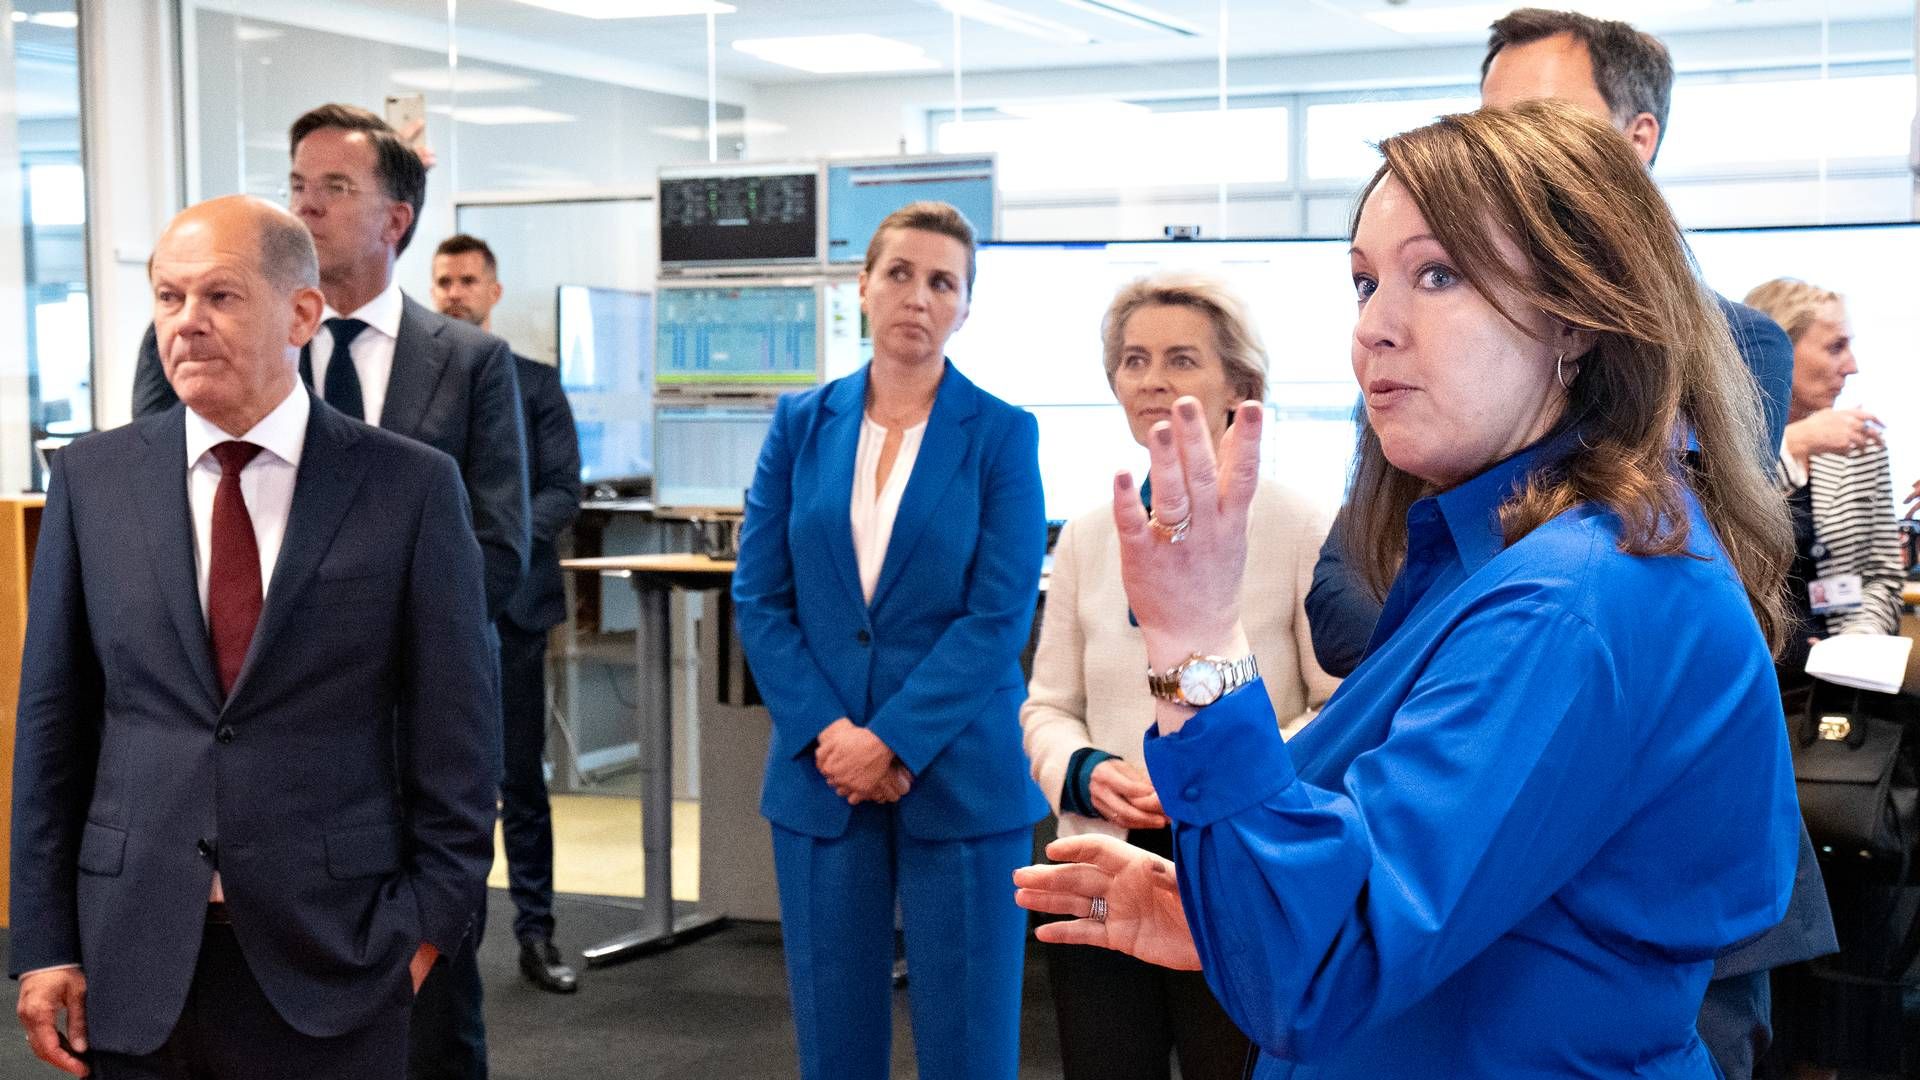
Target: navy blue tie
[(343, 382)]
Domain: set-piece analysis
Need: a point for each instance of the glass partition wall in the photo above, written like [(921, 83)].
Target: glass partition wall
[(1118, 120)]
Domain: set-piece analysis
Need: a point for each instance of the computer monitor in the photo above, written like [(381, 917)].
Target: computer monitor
[(605, 350), (720, 215), (705, 453), (860, 195), (714, 335)]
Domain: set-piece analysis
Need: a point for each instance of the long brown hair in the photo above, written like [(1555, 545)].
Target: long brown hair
[(1602, 254)]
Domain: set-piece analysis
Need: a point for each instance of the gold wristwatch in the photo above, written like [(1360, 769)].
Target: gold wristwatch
[(1201, 680)]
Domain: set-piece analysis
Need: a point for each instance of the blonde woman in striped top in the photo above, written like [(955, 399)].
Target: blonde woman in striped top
[(1833, 468), (1845, 579)]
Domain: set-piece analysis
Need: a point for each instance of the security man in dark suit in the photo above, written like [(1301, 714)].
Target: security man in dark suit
[(252, 800), (381, 357), (466, 286)]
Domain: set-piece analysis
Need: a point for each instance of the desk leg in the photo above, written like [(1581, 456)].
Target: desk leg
[(660, 926)]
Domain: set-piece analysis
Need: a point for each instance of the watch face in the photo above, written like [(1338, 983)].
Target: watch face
[(1201, 682)]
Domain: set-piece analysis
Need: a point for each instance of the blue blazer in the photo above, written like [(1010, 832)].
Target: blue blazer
[(343, 790), (932, 665)]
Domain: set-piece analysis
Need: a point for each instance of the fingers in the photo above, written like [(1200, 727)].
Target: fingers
[(1053, 903), (1077, 932), (1171, 504), (1197, 463), (77, 1020), (38, 1012), (1121, 811), (1130, 518), (1240, 464), (1096, 849), (1123, 777)]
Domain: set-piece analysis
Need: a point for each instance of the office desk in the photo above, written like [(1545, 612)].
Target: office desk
[(653, 578)]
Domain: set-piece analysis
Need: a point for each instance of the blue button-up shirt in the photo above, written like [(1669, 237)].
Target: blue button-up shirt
[(1513, 842)]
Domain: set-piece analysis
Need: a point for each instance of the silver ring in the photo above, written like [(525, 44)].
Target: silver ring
[(1175, 532), (1099, 910)]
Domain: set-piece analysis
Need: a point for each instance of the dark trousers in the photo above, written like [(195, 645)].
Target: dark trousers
[(1122, 1019), (448, 1037), (526, 817), (230, 1031)]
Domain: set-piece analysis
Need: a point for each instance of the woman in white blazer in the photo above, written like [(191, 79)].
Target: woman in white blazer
[(1164, 337)]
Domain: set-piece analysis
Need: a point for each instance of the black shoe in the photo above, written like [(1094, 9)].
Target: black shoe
[(540, 962)]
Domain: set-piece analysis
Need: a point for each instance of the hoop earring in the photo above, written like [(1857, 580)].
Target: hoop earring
[(1560, 372)]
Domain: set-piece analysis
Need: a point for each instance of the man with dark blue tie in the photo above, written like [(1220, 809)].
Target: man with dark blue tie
[(252, 786), (383, 358), (466, 286)]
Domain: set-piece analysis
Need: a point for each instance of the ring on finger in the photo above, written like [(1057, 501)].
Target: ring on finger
[(1098, 910), (1173, 533)]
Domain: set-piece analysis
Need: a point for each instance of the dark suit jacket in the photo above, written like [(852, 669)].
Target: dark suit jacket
[(343, 790), (932, 665), (553, 472), (453, 387)]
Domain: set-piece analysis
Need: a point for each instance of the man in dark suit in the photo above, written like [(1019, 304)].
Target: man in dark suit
[(381, 357), (1625, 77), (252, 772), (466, 286)]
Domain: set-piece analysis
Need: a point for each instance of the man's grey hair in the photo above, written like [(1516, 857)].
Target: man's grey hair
[(1632, 69)]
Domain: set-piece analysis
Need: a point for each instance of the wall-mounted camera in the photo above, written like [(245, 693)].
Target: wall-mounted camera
[(1183, 232)]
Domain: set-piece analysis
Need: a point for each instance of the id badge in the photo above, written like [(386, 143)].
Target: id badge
[(1836, 592)]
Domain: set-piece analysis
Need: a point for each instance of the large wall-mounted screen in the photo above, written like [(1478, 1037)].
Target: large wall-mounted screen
[(742, 215), (761, 335), (605, 349), (860, 195)]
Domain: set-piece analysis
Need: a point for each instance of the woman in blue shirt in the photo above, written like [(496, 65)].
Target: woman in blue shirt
[(1513, 842)]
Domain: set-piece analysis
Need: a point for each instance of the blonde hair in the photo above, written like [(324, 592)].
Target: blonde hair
[(926, 216), (1792, 303), (1241, 352), (1602, 254)]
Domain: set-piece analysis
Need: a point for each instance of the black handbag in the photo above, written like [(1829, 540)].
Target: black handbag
[(1858, 791)]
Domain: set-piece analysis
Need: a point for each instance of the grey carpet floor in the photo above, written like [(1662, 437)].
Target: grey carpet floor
[(715, 1009)]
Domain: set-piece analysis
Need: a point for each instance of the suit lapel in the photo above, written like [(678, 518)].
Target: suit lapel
[(323, 492), (160, 479), (942, 448), (419, 359), (837, 445)]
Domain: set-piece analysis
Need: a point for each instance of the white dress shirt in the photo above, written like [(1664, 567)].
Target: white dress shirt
[(266, 484), (372, 349), (873, 508)]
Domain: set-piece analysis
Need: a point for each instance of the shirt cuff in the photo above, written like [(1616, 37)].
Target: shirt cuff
[(1790, 468), (1076, 795), (1227, 758), (50, 967)]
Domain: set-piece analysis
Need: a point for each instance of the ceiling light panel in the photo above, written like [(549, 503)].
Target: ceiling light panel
[(1127, 11), (1475, 18), (632, 9), (984, 11), (839, 54)]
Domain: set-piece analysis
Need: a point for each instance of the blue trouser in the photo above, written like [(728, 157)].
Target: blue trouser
[(526, 815), (966, 947)]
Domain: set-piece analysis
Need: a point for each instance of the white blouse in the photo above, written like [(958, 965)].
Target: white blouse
[(873, 508)]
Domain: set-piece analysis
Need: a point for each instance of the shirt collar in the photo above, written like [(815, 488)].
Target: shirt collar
[(282, 432), (1472, 510), (381, 313)]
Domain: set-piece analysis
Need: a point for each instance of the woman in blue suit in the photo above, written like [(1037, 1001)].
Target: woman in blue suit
[(888, 571)]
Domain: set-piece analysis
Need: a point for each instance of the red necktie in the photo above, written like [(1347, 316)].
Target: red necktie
[(233, 570)]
